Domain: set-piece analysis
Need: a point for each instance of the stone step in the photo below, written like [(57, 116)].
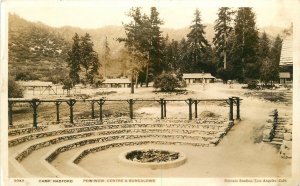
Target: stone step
[(281, 122), (21, 131), (276, 142), (278, 135), (188, 127), (43, 153), (277, 139), (280, 128), (89, 137)]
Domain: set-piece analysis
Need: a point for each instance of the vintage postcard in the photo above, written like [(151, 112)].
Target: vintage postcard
[(150, 92)]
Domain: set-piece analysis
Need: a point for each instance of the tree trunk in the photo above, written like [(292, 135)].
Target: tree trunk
[(104, 69), (225, 53), (132, 85), (225, 60), (136, 80), (86, 76), (147, 73)]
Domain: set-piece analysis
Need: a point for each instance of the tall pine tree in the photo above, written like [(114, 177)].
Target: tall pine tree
[(144, 38), (156, 44), (106, 56), (245, 57), (197, 45), (183, 57), (89, 58), (74, 60), (264, 47), (223, 29), (276, 50), (172, 56), (275, 53)]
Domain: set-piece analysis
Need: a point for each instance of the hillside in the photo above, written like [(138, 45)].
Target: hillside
[(38, 51), (35, 50), (37, 41)]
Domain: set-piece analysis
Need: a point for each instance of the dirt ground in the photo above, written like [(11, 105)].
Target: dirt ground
[(241, 152)]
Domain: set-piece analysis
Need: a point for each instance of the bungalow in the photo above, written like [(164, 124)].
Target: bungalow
[(286, 59), (42, 86), (198, 78), (116, 83), (284, 77)]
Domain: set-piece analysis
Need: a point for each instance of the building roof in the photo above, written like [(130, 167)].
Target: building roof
[(284, 75), (116, 81), (197, 76), (35, 83), (286, 56)]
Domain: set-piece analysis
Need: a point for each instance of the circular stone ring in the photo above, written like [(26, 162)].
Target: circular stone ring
[(152, 158)]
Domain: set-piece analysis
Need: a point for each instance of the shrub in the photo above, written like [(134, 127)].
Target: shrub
[(67, 84), (14, 89), (98, 82), (223, 74), (26, 75), (168, 82), (252, 84)]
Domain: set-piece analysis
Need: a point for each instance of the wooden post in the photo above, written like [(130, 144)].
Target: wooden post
[(165, 108), (190, 108), (93, 109), (238, 116), (101, 102), (71, 103), (231, 109), (10, 113), (34, 104), (196, 109), (57, 103), (130, 108), (161, 108)]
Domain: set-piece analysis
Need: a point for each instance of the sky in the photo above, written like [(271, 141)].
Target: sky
[(174, 13)]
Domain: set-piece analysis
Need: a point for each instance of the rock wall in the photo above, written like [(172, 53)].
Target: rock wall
[(279, 132), (286, 147)]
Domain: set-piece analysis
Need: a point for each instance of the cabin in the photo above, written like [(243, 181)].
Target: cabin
[(286, 59), (284, 77), (192, 78), (116, 83), (41, 86)]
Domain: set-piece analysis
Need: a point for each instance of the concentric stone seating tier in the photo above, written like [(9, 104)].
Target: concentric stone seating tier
[(20, 131), (110, 135), (48, 142), (89, 122), (129, 143), (210, 128), (25, 125), (119, 137)]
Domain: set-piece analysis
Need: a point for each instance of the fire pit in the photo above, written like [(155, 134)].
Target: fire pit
[(153, 158)]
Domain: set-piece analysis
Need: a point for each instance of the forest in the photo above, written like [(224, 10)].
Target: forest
[(234, 49)]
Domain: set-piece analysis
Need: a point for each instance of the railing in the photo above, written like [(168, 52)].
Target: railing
[(34, 103)]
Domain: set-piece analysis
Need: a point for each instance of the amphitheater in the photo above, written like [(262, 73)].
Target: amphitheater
[(214, 137), (91, 147)]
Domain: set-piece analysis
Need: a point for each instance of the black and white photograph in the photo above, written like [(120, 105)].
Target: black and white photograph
[(149, 93)]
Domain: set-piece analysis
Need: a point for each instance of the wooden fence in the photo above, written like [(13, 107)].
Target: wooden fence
[(34, 103)]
